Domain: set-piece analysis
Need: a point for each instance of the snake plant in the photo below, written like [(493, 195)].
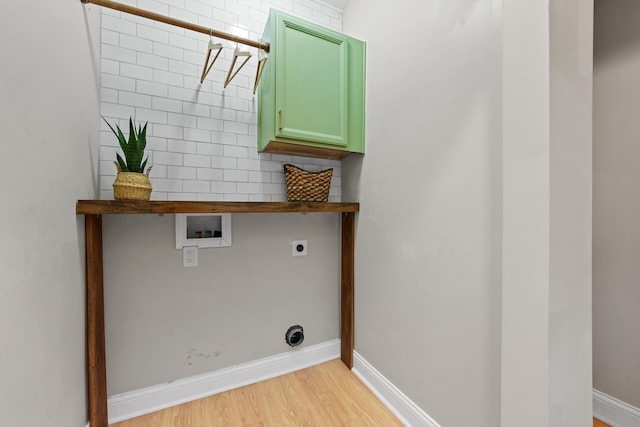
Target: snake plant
[(133, 149)]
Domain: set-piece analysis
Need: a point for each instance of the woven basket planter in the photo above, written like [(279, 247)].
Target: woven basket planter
[(304, 186), (131, 186)]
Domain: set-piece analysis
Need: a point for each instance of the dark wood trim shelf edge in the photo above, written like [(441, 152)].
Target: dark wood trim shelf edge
[(103, 207)]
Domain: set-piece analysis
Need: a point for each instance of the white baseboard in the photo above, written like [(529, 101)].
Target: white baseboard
[(614, 411), (144, 401), (402, 407)]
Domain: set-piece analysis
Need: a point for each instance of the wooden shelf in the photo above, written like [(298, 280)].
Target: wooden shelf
[(93, 211), (103, 207)]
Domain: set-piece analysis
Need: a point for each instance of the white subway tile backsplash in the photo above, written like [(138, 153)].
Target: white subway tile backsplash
[(331, 12), (183, 120), (165, 104), (258, 176), (196, 186), (273, 189), (249, 188), (237, 104), (236, 127), (258, 14), (174, 3), (154, 6), (116, 110), (135, 99), (234, 151), (249, 118), (152, 61), (249, 164), (118, 25), (182, 146), (303, 11), (119, 54), (283, 4), (135, 43), (181, 172), (201, 137), (110, 37), (259, 198), (158, 171), (182, 196), (168, 78), (205, 174), (175, 132), (109, 95), (209, 149), (151, 88), (110, 66), (246, 141), (210, 197), (223, 114), (181, 67), (277, 177), (196, 109), (236, 197), (197, 160), (155, 144), (182, 14), (210, 124), (136, 72), (223, 187), (183, 41), (198, 8), (167, 158), (236, 175), (198, 135), (241, 11), (167, 51), (251, 4), (173, 185), (182, 94), (225, 17), (224, 162), (148, 32), (224, 138), (271, 166)]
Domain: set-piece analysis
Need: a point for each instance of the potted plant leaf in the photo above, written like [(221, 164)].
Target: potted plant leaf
[(132, 182)]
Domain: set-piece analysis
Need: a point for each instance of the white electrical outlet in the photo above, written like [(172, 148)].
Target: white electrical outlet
[(299, 248), (190, 256)]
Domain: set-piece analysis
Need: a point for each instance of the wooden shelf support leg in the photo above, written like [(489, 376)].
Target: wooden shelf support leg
[(347, 289), (98, 416)]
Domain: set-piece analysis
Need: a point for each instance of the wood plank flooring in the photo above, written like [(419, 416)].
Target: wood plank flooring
[(323, 395), (598, 423)]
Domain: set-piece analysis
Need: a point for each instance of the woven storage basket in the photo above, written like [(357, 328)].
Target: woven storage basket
[(304, 186), (131, 186)]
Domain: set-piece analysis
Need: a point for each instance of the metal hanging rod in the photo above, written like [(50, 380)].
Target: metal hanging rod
[(177, 22)]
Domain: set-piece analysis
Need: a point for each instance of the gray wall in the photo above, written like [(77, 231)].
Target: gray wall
[(49, 88), (428, 242), (165, 322), (473, 281), (616, 209)]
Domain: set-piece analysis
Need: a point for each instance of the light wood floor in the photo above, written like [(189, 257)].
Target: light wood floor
[(325, 395)]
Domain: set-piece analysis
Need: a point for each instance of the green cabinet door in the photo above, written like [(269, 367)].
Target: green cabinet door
[(312, 79), (311, 99)]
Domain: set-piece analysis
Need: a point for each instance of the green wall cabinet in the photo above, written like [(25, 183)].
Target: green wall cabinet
[(311, 94)]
